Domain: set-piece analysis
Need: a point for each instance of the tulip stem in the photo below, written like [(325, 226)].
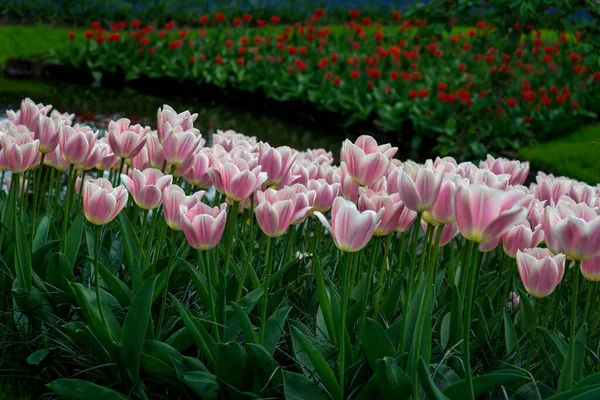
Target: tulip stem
[(213, 309), (471, 286), (369, 277), (413, 258), (536, 311), (230, 232), (588, 300), (97, 273), (36, 191), (250, 254), (342, 336), (166, 289), (67, 208), (424, 252), (572, 330), (265, 290), (386, 250), (119, 172)]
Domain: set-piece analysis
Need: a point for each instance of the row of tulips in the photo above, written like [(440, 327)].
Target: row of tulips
[(373, 278), (396, 75)]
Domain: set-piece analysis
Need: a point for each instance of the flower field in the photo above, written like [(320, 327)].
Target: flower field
[(152, 262), (468, 91)]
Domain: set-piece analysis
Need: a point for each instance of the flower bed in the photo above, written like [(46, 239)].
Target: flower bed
[(154, 266), (470, 90)]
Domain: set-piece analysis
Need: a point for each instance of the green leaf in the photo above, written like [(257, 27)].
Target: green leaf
[(23, 267), (247, 328), (298, 387), (265, 366), (483, 383), (132, 250), (73, 238), (559, 347), (577, 361), (60, 275), (158, 359), (583, 393), (319, 364), (427, 383), (135, 326), (510, 336), (205, 385), (41, 234), (376, 342), (76, 389), (324, 300), (274, 329), (393, 381), (118, 288), (589, 381), (83, 336), (37, 357), (229, 355)]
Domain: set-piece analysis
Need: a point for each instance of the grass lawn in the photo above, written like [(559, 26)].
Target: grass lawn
[(575, 155)]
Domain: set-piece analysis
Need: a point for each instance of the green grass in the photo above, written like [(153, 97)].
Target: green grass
[(33, 40), (14, 390), (576, 155)]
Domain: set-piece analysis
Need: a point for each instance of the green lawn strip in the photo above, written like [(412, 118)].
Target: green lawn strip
[(575, 155)]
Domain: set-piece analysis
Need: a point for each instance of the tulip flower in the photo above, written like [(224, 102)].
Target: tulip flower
[(350, 229), (197, 174), (573, 230), (168, 119), (483, 214), (365, 160), (513, 301), (28, 113), (47, 133), (275, 162), (449, 232), (146, 187), (235, 179), (348, 187), (126, 140), (102, 203), (202, 225), (590, 269), (323, 194), (418, 186), (277, 210), (521, 237), (19, 152), (541, 271), (442, 212), (391, 205), (173, 197), (551, 189), (55, 159), (76, 143), (107, 160), (180, 145), (517, 170)]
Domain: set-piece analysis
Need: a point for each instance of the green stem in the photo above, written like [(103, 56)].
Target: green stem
[(166, 290), (265, 291), (370, 272), (588, 300), (536, 311), (230, 230), (97, 273), (248, 260), (213, 308), (345, 271), (551, 314), (413, 258), (471, 286), (67, 208), (424, 255), (119, 172), (572, 330), (388, 243), (36, 191)]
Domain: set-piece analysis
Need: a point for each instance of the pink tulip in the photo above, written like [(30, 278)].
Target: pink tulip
[(202, 225), (275, 162), (366, 161), (513, 301), (180, 145), (107, 160), (229, 140), (28, 113), (22, 184), (47, 133), (348, 187), (591, 269), (521, 237), (418, 186), (93, 158), (102, 203), (551, 189), (391, 205), (126, 140), (235, 179), (540, 270), (582, 193), (56, 160), (62, 118), (168, 119), (449, 232), (447, 164), (146, 187), (19, 152), (173, 197), (323, 196), (298, 174), (442, 212), (197, 175), (518, 171), (277, 210), (483, 214), (350, 229), (76, 143), (156, 151), (573, 230)]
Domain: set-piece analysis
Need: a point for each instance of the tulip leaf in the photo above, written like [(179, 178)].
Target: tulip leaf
[(41, 233), (319, 364), (265, 366), (38, 356), (246, 325), (135, 326), (393, 381), (157, 361), (60, 275), (132, 249), (427, 382), (76, 389), (510, 335), (324, 300), (298, 387), (371, 389), (74, 236), (559, 347), (274, 329), (526, 310), (574, 363), (205, 385), (375, 342), (582, 393), (118, 288), (233, 354), (23, 264), (83, 336), (483, 383)]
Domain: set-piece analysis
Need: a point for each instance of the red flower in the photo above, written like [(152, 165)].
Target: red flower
[(597, 77), (99, 39), (136, 23), (114, 27), (328, 76), (244, 40), (144, 41), (292, 50), (462, 67), (242, 51), (261, 22), (472, 32), (553, 89), (564, 38), (204, 19), (396, 16), (355, 45), (482, 93), (577, 69), (337, 80), (575, 58), (175, 44), (319, 12), (237, 21), (113, 37), (220, 16), (141, 52), (323, 63), (246, 17), (88, 34), (511, 102), (354, 74), (192, 60), (370, 84), (423, 93), (379, 36), (183, 34), (275, 19), (152, 50), (367, 21), (122, 24), (442, 86), (334, 58), (527, 119), (219, 60), (240, 61), (228, 44), (300, 65), (393, 75), (354, 14), (169, 25), (71, 35), (290, 69), (95, 25), (560, 99), (413, 94), (575, 105), (162, 34), (302, 50), (545, 100)]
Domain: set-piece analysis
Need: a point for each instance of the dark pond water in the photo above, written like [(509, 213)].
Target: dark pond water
[(96, 106)]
